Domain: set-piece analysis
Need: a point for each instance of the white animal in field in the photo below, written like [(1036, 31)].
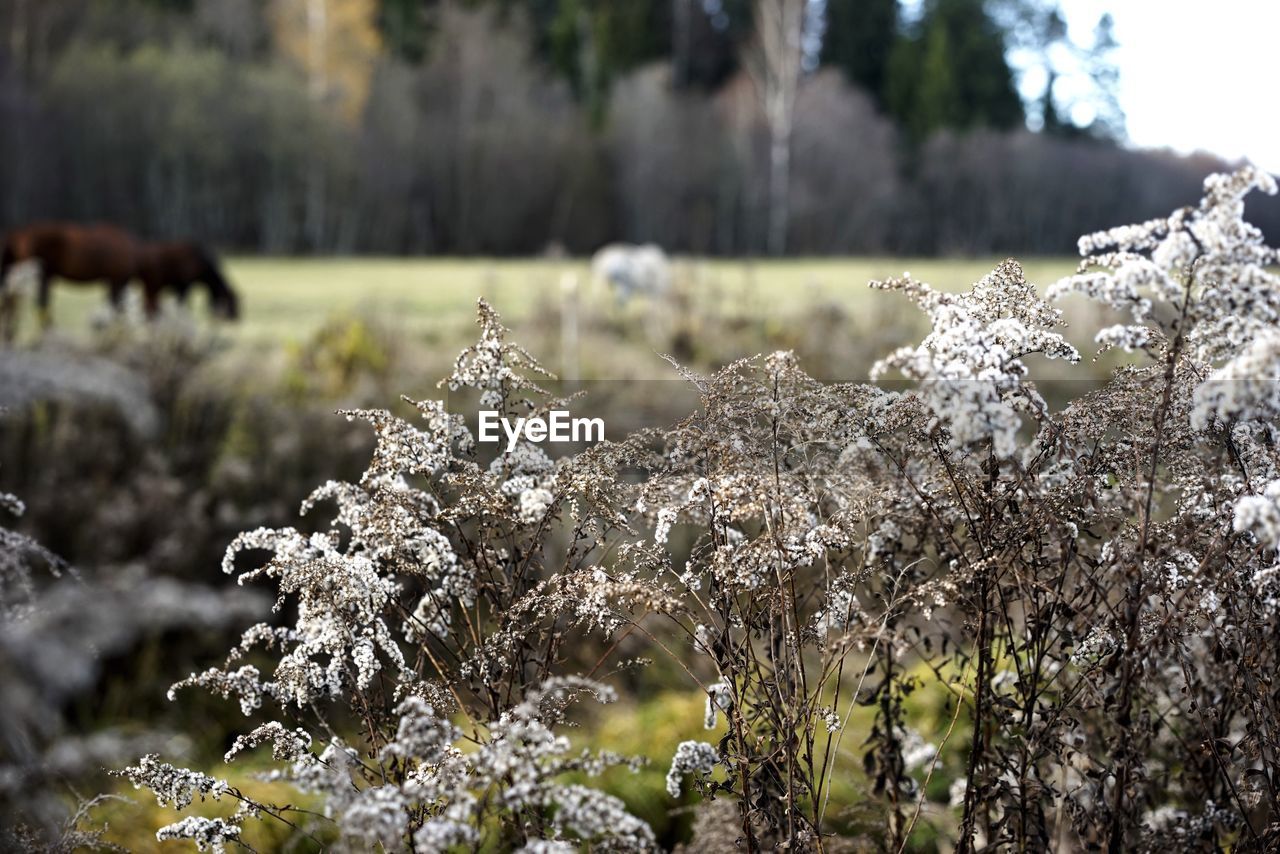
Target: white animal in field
[(632, 271)]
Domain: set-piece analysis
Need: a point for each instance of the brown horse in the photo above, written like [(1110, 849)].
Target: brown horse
[(94, 253)]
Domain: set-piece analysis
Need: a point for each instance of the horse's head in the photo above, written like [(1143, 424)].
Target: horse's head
[(222, 297), (224, 301)]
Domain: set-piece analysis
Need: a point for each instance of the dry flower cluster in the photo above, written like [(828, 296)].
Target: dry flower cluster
[(1095, 587)]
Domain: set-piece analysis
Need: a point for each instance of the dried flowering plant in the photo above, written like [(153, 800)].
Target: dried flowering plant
[(1099, 578), (1092, 588), (430, 620), (20, 556), (1180, 664), (823, 514), (761, 479)]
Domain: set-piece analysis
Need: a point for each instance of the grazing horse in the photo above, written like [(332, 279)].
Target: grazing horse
[(632, 271), (93, 253), (78, 253)]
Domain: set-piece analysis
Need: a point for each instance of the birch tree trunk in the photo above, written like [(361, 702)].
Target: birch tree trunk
[(775, 66), (318, 86)]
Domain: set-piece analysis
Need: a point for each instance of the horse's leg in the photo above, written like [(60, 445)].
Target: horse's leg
[(44, 297), (9, 296), (116, 295), (8, 299), (7, 259), (8, 313)]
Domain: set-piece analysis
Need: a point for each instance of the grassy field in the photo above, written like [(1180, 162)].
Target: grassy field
[(288, 299)]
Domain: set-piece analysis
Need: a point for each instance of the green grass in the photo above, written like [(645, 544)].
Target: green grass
[(132, 821), (288, 299)]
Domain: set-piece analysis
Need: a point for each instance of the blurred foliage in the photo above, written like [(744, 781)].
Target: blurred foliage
[(103, 490), (950, 72), (495, 127), (336, 44), (860, 38), (334, 362)]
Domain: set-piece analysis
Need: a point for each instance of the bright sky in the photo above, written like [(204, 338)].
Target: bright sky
[(1195, 75)]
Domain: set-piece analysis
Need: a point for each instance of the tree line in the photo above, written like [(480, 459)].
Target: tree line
[(503, 127)]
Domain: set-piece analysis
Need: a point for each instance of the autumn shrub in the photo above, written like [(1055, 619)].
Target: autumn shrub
[(1091, 586)]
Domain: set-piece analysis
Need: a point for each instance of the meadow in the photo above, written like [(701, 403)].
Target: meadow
[(289, 299)]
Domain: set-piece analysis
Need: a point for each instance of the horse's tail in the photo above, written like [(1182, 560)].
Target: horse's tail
[(221, 294)]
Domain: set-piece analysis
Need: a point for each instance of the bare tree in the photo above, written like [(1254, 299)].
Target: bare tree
[(775, 65), (838, 202), (318, 86)]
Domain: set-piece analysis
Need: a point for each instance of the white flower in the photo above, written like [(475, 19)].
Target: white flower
[(377, 816), (830, 719), (547, 846), (1260, 515), (719, 698), (916, 752), (692, 757), (970, 365), (1247, 388), (285, 744), (245, 682), (1125, 336), (1164, 817), (1097, 645), (956, 792), (666, 518), (1206, 264), (594, 815), (175, 787), (441, 834), (841, 612), (421, 734), (208, 834), (534, 504)]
